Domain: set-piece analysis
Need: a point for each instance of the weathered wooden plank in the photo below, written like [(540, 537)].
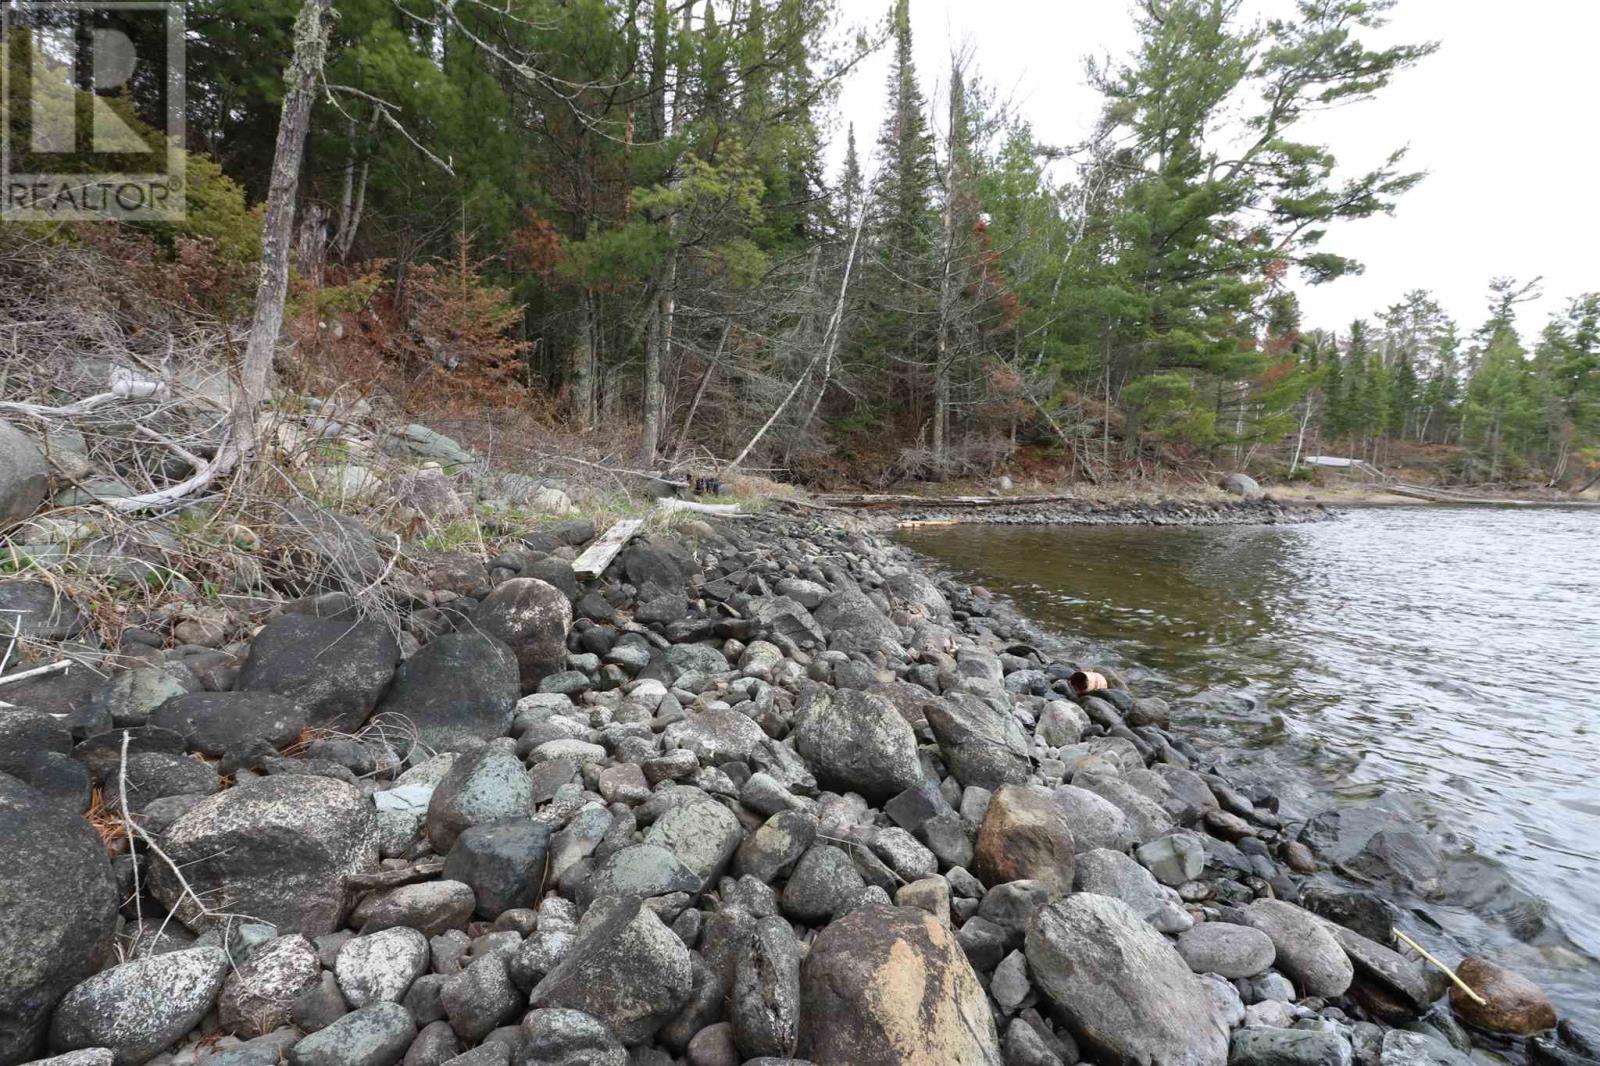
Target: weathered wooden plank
[(597, 556)]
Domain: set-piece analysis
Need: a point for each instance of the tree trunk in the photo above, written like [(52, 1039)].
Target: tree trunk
[(584, 383), (311, 250), (305, 66)]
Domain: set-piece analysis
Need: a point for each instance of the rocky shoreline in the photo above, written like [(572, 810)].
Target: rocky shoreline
[(1262, 510), (766, 792)]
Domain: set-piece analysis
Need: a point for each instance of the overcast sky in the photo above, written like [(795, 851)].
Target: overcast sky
[(1503, 118)]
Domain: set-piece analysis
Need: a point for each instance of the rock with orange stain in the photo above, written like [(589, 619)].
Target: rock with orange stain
[(1513, 1004), (890, 986)]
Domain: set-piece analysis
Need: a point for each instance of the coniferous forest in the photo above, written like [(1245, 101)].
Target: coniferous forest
[(617, 217)]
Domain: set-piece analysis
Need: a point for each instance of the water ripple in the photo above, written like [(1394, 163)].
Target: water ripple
[(1445, 653)]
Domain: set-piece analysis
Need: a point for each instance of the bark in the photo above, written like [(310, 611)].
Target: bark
[(311, 252), (305, 66)]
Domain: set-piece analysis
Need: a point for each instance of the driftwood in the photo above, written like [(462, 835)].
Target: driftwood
[(1447, 971), (726, 510), (37, 671), (597, 556), (406, 875)]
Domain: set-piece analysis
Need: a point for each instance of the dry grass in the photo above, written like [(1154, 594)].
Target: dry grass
[(106, 821)]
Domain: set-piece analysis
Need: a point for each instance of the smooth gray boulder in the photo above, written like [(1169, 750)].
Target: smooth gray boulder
[(58, 912), (1095, 821), (1306, 950), (279, 849), (333, 668), (1125, 991), (24, 477), (1234, 951), (461, 689), (235, 726), (140, 1008), (856, 742), (1111, 873), (1146, 818)]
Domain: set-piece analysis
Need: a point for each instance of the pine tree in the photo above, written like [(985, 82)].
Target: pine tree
[(902, 193), (850, 184)]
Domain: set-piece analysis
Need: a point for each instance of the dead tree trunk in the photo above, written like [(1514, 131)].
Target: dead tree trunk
[(300, 81)]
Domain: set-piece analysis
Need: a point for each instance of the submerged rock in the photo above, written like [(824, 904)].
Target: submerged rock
[(1515, 1004)]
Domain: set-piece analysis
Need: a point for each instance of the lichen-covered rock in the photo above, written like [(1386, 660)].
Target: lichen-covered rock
[(716, 736), (279, 849), (701, 832), (626, 969), (1123, 988), (380, 966), (259, 995), (140, 1008), (982, 745), (857, 742), (890, 986), (373, 1036), (58, 911), (481, 787)]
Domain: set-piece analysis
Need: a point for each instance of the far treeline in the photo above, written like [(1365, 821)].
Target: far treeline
[(615, 214)]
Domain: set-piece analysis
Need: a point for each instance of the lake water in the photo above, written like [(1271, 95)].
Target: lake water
[(1442, 663)]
